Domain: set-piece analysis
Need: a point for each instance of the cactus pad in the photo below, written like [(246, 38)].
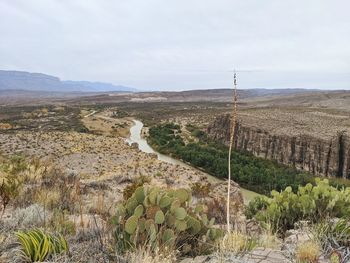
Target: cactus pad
[(131, 224), (165, 201), (138, 211), (168, 237), (182, 195), (180, 225), (140, 194), (180, 213), (159, 217), (131, 204)]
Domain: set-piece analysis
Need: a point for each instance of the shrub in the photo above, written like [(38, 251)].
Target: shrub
[(9, 190), (308, 252), (310, 202), (254, 206), (33, 215), (37, 245), (59, 190), (200, 190), (160, 219), (217, 209), (61, 224)]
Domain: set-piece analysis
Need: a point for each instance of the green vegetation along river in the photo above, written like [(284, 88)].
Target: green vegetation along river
[(256, 174), (136, 137)]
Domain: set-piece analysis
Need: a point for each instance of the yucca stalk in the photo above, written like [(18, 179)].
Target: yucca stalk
[(232, 135)]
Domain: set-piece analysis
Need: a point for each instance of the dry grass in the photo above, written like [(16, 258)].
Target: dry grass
[(308, 252), (145, 255), (49, 198), (269, 240), (236, 243)]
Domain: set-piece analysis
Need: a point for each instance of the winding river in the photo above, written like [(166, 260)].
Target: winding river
[(136, 137)]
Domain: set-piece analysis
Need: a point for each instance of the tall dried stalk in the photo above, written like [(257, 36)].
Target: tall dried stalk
[(79, 199), (232, 135)]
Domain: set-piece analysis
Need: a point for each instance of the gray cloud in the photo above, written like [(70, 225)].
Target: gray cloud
[(180, 44)]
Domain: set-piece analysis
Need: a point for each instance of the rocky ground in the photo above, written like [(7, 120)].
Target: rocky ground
[(101, 160)]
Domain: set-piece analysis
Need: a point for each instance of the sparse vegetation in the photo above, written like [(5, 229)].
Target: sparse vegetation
[(71, 184)]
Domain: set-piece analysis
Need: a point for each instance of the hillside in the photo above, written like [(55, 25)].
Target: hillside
[(26, 81), (308, 131)]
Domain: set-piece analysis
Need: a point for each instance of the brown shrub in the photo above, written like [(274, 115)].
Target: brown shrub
[(217, 209), (200, 190)]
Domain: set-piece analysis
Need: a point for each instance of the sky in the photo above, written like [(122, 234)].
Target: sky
[(181, 44)]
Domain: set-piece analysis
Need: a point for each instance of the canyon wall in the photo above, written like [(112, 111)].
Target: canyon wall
[(320, 157)]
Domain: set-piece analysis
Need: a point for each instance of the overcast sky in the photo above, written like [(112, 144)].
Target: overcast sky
[(181, 44)]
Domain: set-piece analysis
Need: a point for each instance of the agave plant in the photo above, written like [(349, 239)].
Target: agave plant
[(37, 245)]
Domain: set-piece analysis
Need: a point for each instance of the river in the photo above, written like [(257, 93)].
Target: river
[(136, 137)]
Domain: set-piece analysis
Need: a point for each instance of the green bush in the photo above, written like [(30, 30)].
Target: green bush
[(36, 245), (255, 205), (160, 218), (310, 202)]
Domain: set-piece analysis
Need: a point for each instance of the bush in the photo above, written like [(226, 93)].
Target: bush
[(257, 204), (33, 215), (217, 210), (200, 190), (60, 223), (163, 219), (37, 245), (9, 190), (311, 203)]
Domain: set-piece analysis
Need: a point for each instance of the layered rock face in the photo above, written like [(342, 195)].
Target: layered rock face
[(320, 157)]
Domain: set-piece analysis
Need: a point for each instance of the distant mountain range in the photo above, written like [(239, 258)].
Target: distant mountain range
[(26, 81)]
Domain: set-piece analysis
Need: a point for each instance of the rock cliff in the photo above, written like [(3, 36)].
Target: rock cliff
[(321, 157)]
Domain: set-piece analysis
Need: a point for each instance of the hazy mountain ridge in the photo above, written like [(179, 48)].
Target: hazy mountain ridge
[(26, 81)]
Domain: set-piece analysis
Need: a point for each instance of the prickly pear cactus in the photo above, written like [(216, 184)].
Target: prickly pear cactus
[(162, 218)]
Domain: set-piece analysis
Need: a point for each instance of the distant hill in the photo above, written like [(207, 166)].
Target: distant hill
[(97, 86), (21, 80)]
